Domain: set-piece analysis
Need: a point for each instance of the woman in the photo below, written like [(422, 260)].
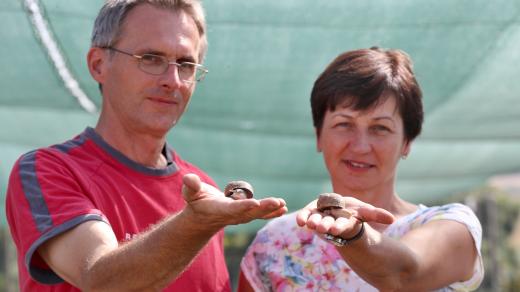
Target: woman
[(367, 111)]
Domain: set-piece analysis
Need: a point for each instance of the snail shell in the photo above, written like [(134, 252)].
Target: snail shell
[(333, 204), (239, 190)]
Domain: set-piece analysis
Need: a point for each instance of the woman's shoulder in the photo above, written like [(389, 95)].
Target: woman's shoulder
[(452, 211)]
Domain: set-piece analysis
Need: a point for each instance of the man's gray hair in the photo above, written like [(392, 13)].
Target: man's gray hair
[(109, 22)]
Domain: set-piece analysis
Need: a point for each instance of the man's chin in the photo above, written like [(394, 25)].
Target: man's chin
[(159, 130)]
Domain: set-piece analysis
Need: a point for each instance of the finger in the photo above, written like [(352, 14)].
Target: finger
[(191, 186), (277, 202), (337, 213), (246, 210), (343, 225), (303, 215), (241, 206), (276, 213), (314, 220), (373, 214), (269, 208), (325, 224)]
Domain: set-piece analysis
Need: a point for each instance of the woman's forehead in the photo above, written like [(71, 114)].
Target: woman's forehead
[(384, 106)]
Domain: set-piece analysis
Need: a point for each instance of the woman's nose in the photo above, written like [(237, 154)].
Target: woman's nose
[(360, 143)]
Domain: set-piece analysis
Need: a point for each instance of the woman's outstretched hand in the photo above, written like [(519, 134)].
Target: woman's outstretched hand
[(343, 226)]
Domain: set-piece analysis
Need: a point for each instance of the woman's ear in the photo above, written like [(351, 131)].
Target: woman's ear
[(406, 149), (96, 61)]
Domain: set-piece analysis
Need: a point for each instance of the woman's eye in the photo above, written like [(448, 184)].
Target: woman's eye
[(343, 125), (381, 129)]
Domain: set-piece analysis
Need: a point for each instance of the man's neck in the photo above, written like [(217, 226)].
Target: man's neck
[(142, 148)]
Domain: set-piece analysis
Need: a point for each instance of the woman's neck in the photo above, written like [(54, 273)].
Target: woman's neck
[(387, 199)]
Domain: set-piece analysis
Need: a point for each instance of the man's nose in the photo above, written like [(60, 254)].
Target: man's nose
[(171, 78)]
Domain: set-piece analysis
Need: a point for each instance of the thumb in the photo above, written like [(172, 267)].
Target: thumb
[(191, 186), (373, 214)]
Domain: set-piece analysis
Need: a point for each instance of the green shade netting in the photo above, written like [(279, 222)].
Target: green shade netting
[(250, 118)]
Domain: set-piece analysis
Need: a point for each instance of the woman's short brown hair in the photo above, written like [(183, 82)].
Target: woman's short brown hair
[(364, 78)]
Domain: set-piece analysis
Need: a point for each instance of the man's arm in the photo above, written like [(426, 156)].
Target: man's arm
[(90, 258), (432, 256)]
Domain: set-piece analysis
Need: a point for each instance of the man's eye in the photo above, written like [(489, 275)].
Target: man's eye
[(187, 67), (152, 59)]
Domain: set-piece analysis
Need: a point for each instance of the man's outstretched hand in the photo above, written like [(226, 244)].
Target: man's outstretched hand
[(210, 206)]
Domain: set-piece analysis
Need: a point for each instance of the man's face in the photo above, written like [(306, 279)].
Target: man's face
[(139, 101)]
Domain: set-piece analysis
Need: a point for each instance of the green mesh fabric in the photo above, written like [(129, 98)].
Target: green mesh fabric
[(250, 118)]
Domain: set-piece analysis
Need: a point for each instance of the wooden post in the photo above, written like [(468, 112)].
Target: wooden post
[(10, 263), (488, 214)]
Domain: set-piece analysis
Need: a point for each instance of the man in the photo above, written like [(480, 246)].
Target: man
[(115, 209)]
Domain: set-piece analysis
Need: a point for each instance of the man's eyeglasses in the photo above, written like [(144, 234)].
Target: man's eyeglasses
[(157, 65)]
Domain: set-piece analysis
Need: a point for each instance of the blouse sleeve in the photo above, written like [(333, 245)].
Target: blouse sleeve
[(462, 214)]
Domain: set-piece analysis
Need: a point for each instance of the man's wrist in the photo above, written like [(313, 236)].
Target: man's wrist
[(197, 223)]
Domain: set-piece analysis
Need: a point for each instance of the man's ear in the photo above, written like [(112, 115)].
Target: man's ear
[(318, 146), (96, 61)]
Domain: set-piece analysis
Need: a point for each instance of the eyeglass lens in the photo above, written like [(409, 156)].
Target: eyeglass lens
[(158, 65)]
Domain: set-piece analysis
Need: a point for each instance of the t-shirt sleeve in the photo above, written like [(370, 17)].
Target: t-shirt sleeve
[(462, 214), (45, 198)]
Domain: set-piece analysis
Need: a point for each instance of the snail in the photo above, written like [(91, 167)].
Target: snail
[(333, 204), (238, 190)]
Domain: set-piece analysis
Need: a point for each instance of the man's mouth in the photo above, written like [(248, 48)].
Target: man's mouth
[(163, 100)]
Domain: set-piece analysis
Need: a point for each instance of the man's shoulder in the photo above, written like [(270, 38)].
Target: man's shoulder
[(70, 153), (66, 148)]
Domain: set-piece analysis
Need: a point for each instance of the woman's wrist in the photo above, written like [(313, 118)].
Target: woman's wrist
[(340, 241)]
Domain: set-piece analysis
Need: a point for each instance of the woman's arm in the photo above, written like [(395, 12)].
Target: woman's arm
[(432, 256), (429, 257)]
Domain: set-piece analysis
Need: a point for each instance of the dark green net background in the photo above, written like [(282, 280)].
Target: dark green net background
[(250, 118)]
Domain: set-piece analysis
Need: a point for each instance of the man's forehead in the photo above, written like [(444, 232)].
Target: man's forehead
[(160, 29)]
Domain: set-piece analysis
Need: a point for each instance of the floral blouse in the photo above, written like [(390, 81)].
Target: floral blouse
[(286, 257)]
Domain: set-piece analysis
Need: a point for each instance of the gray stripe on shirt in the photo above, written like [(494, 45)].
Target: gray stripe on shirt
[(33, 192)]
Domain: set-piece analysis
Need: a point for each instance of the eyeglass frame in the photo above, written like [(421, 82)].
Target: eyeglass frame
[(198, 67)]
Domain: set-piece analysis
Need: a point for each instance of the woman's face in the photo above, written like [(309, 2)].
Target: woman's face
[(361, 149)]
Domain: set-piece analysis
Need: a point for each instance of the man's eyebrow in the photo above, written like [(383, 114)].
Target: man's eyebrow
[(151, 52), (186, 59)]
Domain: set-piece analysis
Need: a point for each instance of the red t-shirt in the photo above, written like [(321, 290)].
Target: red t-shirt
[(54, 189)]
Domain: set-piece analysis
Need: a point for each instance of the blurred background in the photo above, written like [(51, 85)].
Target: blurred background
[(250, 118)]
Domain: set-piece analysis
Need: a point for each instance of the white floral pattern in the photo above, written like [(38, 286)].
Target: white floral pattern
[(286, 257)]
